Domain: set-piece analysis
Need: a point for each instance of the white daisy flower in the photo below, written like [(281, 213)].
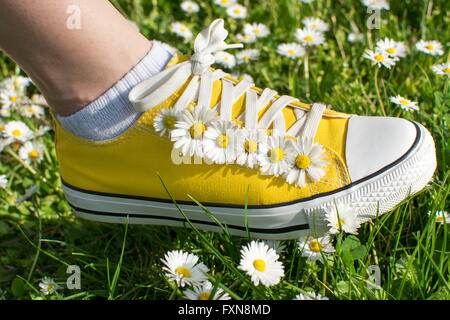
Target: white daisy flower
[(442, 69), (246, 38), (275, 245), (183, 268), (355, 37), (31, 151), (258, 29), (307, 1), (251, 140), (10, 98), (342, 217), (189, 130), (5, 142), (309, 37), (404, 103), (432, 47), (315, 24), (18, 131), (16, 83), (41, 131), (379, 58), (225, 3), (237, 11), (245, 56), (305, 161), (32, 110), (441, 216), (313, 248), (310, 296), (391, 47), (38, 99), (190, 7), (261, 263), (274, 155), (165, 120), (291, 50), (3, 181), (221, 142), (376, 4), (172, 50), (225, 59), (181, 30), (48, 286), (203, 292)]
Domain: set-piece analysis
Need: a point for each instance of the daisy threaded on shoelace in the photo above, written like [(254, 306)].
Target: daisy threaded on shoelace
[(195, 128)]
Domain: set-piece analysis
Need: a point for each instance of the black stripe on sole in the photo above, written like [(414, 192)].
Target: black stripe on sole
[(209, 223)]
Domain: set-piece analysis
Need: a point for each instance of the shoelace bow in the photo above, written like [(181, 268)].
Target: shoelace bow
[(155, 90)]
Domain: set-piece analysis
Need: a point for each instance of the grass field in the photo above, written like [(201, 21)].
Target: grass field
[(40, 236)]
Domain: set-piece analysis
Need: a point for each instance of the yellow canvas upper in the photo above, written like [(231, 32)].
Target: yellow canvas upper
[(129, 163)]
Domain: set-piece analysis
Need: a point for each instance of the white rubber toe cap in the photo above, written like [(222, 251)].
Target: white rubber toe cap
[(375, 142)]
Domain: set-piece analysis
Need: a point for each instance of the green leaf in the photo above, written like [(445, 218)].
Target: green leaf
[(353, 246), (18, 288)]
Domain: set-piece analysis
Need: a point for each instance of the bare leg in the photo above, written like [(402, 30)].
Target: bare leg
[(71, 67)]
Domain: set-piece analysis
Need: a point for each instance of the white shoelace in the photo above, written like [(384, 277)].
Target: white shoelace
[(153, 91)]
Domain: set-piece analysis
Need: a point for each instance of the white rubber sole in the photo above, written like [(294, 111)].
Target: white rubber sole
[(375, 195)]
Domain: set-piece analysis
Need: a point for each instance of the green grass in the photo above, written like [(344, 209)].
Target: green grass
[(41, 237)]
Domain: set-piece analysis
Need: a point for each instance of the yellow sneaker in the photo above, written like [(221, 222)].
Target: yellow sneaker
[(260, 162)]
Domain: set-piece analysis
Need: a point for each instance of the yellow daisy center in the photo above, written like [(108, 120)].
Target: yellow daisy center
[(204, 296), (17, 83), (222, 141), (259, 265), (291, 52), (251, 146), (183, 30), (13, 99), (246, 37), (439, 219), (315, 245), (246, 58), (391, 50), (276, 154), (314, 26), (256, 31), (224, 1), (446, 70), (302, 161), (16, 133), (237, 11), (379, 57), (429, 46), (339, 222), (404, 101), (33, 154), (169, 122), (184, 272), (197, 130), (2, 127), (225, 58), (308, 38), (190, 8)]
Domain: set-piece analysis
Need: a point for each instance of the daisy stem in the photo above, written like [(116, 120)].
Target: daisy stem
[(15, 156), (237, 282), (380, 101), (307, 73)]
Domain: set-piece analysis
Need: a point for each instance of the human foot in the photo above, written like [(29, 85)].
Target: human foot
[(263, 163)]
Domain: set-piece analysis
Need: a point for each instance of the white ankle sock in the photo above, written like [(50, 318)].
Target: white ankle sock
[(112, 113)]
